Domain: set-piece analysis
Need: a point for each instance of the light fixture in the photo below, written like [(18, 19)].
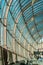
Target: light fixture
[(33, 29), (32, 18), (33, 2)]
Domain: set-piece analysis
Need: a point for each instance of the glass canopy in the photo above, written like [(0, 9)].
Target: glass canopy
[(28, 17)]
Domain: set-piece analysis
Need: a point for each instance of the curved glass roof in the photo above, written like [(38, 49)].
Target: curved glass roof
[(28, 17)]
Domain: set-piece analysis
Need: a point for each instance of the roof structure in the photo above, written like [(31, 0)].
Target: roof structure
[(28, 17)]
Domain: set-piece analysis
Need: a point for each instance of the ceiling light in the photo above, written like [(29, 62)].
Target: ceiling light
[(32, 18), (33, 1), (32, 29)]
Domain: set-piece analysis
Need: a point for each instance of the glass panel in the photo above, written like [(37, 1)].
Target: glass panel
[(9, 41), (10, 23)]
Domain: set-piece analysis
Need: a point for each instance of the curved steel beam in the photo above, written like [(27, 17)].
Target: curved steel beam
[(5, 22)]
